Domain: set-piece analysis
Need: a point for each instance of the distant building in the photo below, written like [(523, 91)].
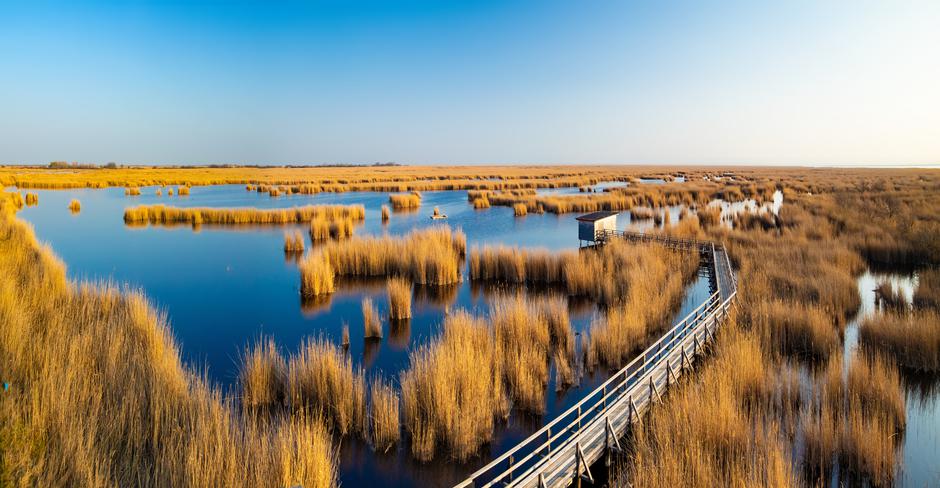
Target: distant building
[(590, 225)]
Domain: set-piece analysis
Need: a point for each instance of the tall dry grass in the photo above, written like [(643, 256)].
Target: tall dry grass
[(384, 416), (263, 376), (316, 276), (912, 339), (452, 392), (927, 294), (163, 215), (399, 298), (405, 202), (293, 242), (336, 228), (322, 379), (371, 321), (430, 256), (522, 343), (98, 395)]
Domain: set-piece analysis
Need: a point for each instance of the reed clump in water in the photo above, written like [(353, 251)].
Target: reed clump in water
[(399, 298), (913, 338), (316, 276), (520, 210), (293, 242), (323, 228), (322, 378), (709, 216), (522, 342), (75, 206), (164, 215), (132, 191), (384, 416), (32, 199), (385, 213), (800, 329), (429, 256), (263, 376), (182, 191), (889, 297), (641, 213), (409, 201), (480, 202), (371, 321), (159, 192), (96, 379), (452, 391)]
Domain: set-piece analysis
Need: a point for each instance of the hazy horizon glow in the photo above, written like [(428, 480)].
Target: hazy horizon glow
[(425, 82)]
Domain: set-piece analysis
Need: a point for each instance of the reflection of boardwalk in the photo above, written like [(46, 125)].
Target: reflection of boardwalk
[(566, 448)]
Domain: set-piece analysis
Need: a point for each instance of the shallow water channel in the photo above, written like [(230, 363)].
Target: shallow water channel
[(223, 287)]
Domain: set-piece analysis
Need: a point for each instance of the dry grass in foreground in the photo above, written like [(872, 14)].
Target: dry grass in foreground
[(99, 397), (384, 417), (163, 215), (452, 391), (321, 378)]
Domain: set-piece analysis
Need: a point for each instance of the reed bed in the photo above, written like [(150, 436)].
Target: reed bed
[(799, 329), (399, 298), (641, 214), (164, 215), (518, 265), (912, 339), (321, 378), (316, 276), (709, 216), (520, 209), (339, 228), (97, 381), (75, 206), (927, 294), (371, 321), (263, 376), (293, 242), (522, 343), (385, 213), (430, 256), (889, 297), (480, 203), (132, 191), (384, 416), (32, 199), (410, 201), (452, 391)]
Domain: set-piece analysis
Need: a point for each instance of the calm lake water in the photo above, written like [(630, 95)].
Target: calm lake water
[(223, 287)]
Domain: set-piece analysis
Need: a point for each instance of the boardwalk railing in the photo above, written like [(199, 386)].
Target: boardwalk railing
[(566, 447)]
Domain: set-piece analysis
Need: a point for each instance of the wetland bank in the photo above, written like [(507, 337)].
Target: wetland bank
[(362, 371)]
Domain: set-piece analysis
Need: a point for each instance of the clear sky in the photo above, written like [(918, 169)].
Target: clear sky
[(575, 81)]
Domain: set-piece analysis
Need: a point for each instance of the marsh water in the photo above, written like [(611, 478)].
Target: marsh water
[(221, 288)]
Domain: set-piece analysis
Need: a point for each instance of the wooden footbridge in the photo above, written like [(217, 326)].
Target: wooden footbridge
[(563, 451)]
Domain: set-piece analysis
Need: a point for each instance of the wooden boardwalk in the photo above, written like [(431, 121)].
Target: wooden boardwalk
[(563, 451)]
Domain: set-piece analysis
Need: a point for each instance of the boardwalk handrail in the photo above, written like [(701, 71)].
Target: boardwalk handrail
[(564, 432)]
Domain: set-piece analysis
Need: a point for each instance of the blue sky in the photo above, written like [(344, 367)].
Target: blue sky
[(470, 82)]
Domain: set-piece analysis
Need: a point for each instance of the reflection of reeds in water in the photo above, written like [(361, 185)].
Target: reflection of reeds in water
[(399, 298), (263, 376), (399, 334), (452, 390), (441, 296), (383, 415), (322, 378)]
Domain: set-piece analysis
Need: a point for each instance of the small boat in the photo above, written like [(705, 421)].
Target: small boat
[(438, 216)]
